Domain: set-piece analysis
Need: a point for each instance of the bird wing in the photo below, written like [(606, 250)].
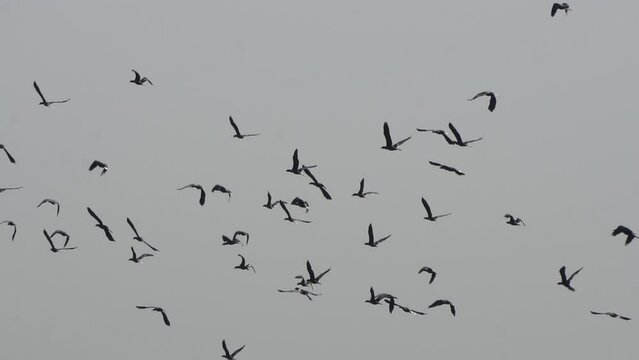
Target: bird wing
[(94, 216), (226, 350), (493, 102), (573, 274), (144, 307), (455, 133), (361, 186), (237, 351), (435, 163), (46, 235), (562, 272), (243, 263), (37, 88), (268, 198), (430, 214), (472, 141), (132, 227), (387, 136), (624, 317), (597, 313), (57, 211), (311, 273), (165, 318), (322, 274), (402, 141), (133, 255), (137, 76), (439, 303), (15, 230), (296, 161), (382, 239), (42, 202), (108, 234), (327, 196), (288, 214), (310, 174), (621, 229), (11, 159), (432, 276), (95, 164), (59, 101), (202, 196), (234, 125), (478, 95), (554, 9), (371, 238)]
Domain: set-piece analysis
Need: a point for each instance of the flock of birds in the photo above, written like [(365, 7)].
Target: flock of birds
[(306, 283)]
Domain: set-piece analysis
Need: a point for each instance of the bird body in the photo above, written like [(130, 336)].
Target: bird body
[(243, 265), (556, 6), (296, 168), (446, 167), (288, 217), (312, 279), (99, 164), (514, 221)]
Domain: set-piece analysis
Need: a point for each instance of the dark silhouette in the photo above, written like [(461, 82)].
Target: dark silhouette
[(138, 80), (430, 271), (288, 214), (300, 291), (269, 204), (371, 239), (53, 248), (52, 202), (99, 164), (389, 141), (11, 159), (611, 314), (13, 225), (447, 168), (312, 278), (514, 221), (158, 309), (296, 169), (301, 203), (430, 216), (10, 188), (563, 6), (243, 265), (101, 225), (630, 235), (135, 258), (137, 236), (360, 193), (199, 187), (493, 99), (566, 281), (317, 184), (227, 355), (223, 190), (44, 101), (63, 234), (237, 131), (444, 302)]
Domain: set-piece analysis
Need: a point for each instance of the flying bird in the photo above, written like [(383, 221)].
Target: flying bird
[(430, 271), (228, 241), (317, 184), (223, 190), (10, 188), (44, 101), (237, 130), (288, 215), (371, 239), (301, 291), (158, 309), (101, 225), (243, 265), (611, 314), (228, 355), (52, 202), (301, 203), (135, 258), (493, 99), (458, 139), (296, 169), (514, 221), (566, 281), (11, 159), (630, 235), (138, 80), (447, 168), (13, 225), (390, 146), (360, 193), (444, 302), (430, 216), (375, 299), (199, 187), (563, 6), (311, 274), (440, 132), (269, 203), (137, 236), (53, 248), (405, 309), (66, 236), (99, 164)]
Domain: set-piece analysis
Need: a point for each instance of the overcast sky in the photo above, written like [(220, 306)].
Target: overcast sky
[(560, 151)]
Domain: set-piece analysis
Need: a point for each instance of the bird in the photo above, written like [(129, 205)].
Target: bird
[(514, 221), (371, 239), (393, 303), (243, 265), (624, 230), (44, 101), (303, 282), (312, 279), (135, 258), (430, 271), (360, 193), (493, 99), (444, 302), (158, 309), (222, 189), (611, 314), (459, 141), (99, 164), (137, 236), (390, 146), (301, 203), (440, 132), (430, 216), (138, 80), (269, 202), (288, 215), (10, 188), (52, 202), (317, 184), (11, 159), (13, 225), (237, 130), (556, 6), (296, 169), (101, 225), (228, 241), (53, 248), (199, 187), (301, 291), (566, 281), (375, 299), (66, 236), (447, 168), (228, 355)]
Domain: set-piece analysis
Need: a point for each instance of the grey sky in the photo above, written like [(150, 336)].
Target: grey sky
[(559, 151)]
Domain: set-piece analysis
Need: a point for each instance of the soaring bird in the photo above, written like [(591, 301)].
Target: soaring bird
[(52, 202), (430, 216), (430, 271), (13, 225), (566, 281), (459, 141), (493, 99), (99, 164), (243, 265), (303, 282), (624, 230), (301, 203), (375, 299), (317, 184), (360, 193), (158, 309), (611, 314), (312, 279), (390, 146), (66, 236), (53, 248), (138, 80), (228, 355), (237, 130), (135, 258), (101, 225), (137, 236), (199, 187), (288, 215), (296, 168), (443, 302), (269, 201), (10, 188), (223, 190), (301, 291), (228, 241), (447, 168), (11, 159), (44, 101), (563, 6), (371, 238), (514, 221)]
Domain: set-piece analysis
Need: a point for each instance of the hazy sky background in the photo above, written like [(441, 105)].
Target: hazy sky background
[(559, 151)]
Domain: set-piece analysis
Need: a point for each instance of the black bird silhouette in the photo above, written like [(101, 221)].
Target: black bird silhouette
[(158, 309), (303, 282), (371, 238), (11, 159), (440, 132), (135, 258), (13, 225), (269, 203), (430, 271), (317, 184), (10, 188), (611, 314), (376, 299), (301, 291), (447, 168), (459, 141), (66, 236), (199, 187), (444, 302), (360, 193), (138, 80), (227, 241), (44, 101), (405, 309), (430, 216), (630, 235), (311, 274), (563, 6), (101, 225), (288, 214), (566, 281), (237, 130), (228, 355), (137, 236), (390, 146), (222, 189), (243, 265), (514, 221), (52, 202), (301, 203), (296, 169), (53, 248), (493, 99), (99, 164)]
